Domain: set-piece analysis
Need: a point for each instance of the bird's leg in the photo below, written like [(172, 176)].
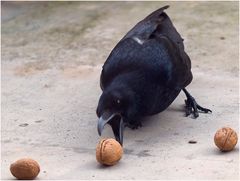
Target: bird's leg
[(192, 106)]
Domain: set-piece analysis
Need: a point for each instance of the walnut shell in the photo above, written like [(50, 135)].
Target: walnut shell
[(108, 152), (225, 139), (25, 169)]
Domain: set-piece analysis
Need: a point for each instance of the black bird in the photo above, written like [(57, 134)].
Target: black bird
[(144, 74)]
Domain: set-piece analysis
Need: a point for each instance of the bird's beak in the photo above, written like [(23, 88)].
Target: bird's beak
[(115, 121)]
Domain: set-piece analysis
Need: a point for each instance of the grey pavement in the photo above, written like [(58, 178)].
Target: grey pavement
[(52, 55)]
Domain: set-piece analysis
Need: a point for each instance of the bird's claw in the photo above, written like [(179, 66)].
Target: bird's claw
[(192, 107)]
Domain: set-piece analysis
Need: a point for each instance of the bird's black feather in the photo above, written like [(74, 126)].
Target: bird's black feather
[(149, 67)]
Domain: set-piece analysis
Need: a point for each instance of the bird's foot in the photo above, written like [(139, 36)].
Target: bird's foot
[(134, 125), (192, 107)]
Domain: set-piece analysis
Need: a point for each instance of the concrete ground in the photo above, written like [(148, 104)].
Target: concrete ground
[(52, 55)]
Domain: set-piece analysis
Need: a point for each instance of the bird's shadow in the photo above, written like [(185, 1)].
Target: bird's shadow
[(161, 118), (158, 126)]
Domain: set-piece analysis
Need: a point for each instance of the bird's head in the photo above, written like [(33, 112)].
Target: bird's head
[(114, 104)]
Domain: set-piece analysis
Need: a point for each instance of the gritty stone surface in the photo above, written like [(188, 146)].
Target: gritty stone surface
[(52, 55)]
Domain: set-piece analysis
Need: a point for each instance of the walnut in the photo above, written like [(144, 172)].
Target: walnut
[(108, 152), (25, 169), (225, 139)]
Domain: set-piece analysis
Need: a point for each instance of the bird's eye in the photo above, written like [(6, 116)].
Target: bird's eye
[(118, 101)]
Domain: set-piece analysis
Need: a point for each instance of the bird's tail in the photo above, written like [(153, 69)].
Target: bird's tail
[(156, 14), (148, 25)]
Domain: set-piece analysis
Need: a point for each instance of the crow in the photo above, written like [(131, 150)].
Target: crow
[(144, 74)]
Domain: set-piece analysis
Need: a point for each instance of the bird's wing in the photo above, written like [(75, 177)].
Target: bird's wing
[(153, 41), (156, 58), (157, 23), (148, 25)]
